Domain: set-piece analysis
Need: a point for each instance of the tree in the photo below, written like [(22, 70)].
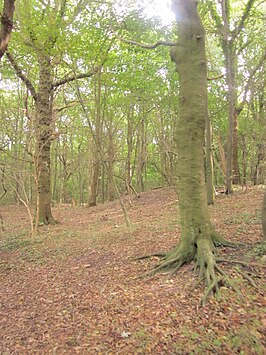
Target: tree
[(234, 39), (96, 164), (6, 25), (46, 35), (263, 217), (197, 233)]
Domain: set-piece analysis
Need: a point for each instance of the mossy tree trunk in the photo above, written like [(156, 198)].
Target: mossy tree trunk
[(43, 146), (191, 66), (196, 241), (209, 162)]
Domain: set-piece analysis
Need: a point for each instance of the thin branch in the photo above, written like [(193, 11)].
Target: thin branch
[(22, 76), (75, 76), (245, 45), (215, 78), (244, 17), (148, 46), (252, 73), (215, 16), (78, 76), (3, 185)]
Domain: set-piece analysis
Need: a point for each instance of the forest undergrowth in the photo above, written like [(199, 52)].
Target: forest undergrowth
[(76, 288)]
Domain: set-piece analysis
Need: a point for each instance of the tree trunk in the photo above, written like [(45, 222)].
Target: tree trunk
[(230, 80), (209, 162), (196, 240), (110, 164), (55, 174), (162, 148), (244, 160), (96, 167), (263, 217), (93, 188), (44, 117), (130, 134), (257, 177), (190, 61), (230, 62), (141, 166), (6, 25), (236, 173)]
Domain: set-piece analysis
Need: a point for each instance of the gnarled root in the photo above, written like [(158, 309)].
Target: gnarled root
[(173, 260), (205, 264), (218, 240)]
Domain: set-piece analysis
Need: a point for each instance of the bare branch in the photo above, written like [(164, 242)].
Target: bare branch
[(22, 76), (6, 25), (72, 78), (215, 16), (244, 17), (250, 80), (3, 184), (85, 75), (216, 77), (148, 46)]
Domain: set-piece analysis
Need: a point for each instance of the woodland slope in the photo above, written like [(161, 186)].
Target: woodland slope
[(76, 288)]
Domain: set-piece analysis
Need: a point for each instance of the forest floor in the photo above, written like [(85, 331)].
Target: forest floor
[(75, 289)]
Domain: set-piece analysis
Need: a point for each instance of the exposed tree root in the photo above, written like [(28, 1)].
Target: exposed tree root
[(206, 266), (148, 256), (248, 278), (205, 263), (233, 261), (165, 266), (173, 260), (218, 240), (229, 281)]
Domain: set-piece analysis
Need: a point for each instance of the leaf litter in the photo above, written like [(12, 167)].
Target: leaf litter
[(77, 289)]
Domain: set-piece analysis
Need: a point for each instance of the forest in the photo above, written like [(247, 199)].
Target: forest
[(132, 177)]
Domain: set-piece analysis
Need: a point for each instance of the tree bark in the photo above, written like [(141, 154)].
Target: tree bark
[(142, 153), (130, 146), (263, 217), (110, 163), (236, 172), (197, 234), (229, 41), (6, 25), (44, 104), (231, 99), (190, 61), (209, 162), (95, 171), (96, 167)]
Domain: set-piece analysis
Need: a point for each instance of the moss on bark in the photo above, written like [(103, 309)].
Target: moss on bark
[(197, 234)]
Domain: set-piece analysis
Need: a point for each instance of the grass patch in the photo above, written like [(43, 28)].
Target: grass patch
[(259, 249), (244, 218), (16, 242)]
